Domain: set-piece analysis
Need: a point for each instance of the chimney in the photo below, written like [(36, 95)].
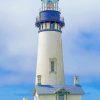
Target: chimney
[(38, 79), (76, 80)]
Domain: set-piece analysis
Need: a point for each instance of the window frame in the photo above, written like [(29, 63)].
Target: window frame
[(54, 60), (52, 66), (39, 79)]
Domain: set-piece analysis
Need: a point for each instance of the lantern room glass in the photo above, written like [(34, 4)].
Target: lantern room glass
[(49, 5)]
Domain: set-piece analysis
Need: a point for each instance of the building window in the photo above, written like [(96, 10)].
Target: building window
[(61, 97), (55, 25), (53, 62)]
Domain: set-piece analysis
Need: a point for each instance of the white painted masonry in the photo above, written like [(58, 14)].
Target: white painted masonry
[(56, 97), (50, 47)]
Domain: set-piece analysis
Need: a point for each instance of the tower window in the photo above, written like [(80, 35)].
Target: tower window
[(48, 25), (53, 65), (43, 25), (52, 25), (39, 79), (58, 26), (55, 25)]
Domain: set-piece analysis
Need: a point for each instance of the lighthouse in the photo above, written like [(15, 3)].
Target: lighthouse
[(49, 81), (50, 70)]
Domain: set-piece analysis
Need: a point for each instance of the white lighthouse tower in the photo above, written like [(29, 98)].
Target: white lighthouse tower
[(50, 83), (50, 70)]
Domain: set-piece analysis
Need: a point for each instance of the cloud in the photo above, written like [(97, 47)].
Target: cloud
[(81, 38), (17, 41)]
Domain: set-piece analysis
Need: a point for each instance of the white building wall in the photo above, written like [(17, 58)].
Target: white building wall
[(48, 97), (74, 97), (56, 97), (50, 46)]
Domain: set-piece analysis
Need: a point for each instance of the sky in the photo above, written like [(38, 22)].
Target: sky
[(19, 39)]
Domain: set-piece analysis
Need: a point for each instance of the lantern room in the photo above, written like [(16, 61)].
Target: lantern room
[(49, 5)]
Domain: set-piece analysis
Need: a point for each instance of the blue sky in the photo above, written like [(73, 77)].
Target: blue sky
[(18, 46)]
